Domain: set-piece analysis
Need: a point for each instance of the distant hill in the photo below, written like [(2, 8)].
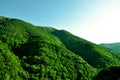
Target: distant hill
[(29, 52), (112, 46)]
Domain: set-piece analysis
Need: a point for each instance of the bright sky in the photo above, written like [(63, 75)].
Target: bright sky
[(95, 20)]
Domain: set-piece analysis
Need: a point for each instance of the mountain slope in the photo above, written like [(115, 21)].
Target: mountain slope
[(35, 54), (10, 68), (44, 53), (95, 55)]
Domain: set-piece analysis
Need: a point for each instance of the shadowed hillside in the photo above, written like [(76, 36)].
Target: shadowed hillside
[(112, 73), (95, 55), (29, 52)]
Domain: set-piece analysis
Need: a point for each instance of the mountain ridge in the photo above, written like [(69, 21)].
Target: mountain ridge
[(113, 46), (46, 53)]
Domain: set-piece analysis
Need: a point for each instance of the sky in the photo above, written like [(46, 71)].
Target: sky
[(97, 21)]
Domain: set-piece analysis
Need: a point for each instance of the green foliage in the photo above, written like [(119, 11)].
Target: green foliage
[(10, 68), (112, 46), (48, 60), (28, 52), (95, 55)]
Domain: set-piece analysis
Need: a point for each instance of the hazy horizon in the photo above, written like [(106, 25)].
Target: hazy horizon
[(93, 20)]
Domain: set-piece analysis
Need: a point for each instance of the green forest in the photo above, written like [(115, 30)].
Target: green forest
[(29, 52), (112, 46)]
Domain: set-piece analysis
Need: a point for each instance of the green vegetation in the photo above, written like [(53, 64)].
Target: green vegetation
[(112, 46), (29, 52), (95, 55)]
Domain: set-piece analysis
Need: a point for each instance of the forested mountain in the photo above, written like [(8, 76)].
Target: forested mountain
[(95, 55), (29, 52), (112, 46)]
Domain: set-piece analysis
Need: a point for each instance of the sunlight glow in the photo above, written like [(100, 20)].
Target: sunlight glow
[(102, 26), (95, 20)]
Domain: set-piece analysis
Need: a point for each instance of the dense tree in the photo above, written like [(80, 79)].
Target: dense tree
[(29, 52)]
